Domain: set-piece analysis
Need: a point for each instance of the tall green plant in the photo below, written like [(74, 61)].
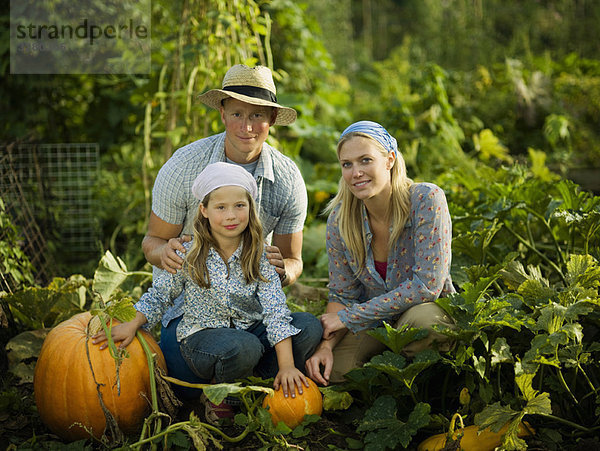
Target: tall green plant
[(16, 269)]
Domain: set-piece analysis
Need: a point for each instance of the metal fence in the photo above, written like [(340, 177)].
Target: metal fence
[(48, 190)]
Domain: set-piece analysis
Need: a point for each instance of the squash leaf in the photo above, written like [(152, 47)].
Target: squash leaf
[(490, 147), (122, 309), (364, 380), (334, 399), (583, 270), (495, 416), (385, 430), (111, 273), (501, 352), (397, 339), (22, 352), (395, 365), (37, 308), (537, 403)]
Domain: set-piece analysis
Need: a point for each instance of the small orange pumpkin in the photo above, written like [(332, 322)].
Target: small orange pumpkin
[(292, 410), (65, 392)]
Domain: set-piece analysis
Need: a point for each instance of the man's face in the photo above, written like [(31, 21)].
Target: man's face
[(246, 128)]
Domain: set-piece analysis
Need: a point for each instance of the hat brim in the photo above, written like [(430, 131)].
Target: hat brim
[(213, 98)]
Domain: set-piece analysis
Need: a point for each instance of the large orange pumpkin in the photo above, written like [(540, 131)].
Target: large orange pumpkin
[(292, 410), (65, 391)]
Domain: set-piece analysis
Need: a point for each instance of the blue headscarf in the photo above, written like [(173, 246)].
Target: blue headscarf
[(377, 132)]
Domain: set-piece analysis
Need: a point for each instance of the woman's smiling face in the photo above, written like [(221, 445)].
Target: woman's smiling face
[(365, 167)]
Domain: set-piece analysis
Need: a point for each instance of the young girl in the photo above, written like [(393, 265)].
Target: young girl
[(236, 321)]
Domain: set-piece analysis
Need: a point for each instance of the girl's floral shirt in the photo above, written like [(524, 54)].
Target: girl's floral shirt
[(418, 264), (229, 302)]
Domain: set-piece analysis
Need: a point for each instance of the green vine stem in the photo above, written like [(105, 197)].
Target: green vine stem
[(537, 252), (593, 229), (153, 395), (181, 425), (150, 357), (594, 389), (566, 422), (547, 225), (565, 386)]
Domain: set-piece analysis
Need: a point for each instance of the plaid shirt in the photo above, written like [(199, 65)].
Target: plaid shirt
[(418, 264), (282, 200), (228, 302)]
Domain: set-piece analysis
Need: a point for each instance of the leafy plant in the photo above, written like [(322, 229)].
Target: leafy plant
[(15, 267), (39, 307)]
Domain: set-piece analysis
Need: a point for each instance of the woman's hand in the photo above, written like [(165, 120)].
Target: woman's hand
[(331, 324), (286, 379), (322, 358)]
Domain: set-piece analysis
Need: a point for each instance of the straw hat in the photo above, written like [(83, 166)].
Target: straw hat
[(252, 85)]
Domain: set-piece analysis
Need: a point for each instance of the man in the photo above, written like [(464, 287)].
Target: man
[(248, 106)]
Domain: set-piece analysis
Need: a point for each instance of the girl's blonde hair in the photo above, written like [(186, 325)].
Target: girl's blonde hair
[(349, 218), (252, 249)]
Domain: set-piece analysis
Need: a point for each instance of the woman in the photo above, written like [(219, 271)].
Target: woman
[(389, 247)]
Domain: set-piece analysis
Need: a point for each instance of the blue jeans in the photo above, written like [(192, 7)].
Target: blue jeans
[(227, 354)]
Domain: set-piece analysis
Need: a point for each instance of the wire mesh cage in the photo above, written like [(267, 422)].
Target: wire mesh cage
[(48, 190)]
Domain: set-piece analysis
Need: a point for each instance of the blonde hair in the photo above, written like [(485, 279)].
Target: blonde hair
[(252, 249), (349, 218)]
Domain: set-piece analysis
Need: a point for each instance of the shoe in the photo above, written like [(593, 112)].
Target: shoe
[(217, 413)]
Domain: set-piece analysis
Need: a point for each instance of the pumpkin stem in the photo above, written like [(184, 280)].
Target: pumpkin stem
[(452, 427), (453, 436)]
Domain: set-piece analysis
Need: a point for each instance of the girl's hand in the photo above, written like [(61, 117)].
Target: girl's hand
[(286, 379), (124, 333)]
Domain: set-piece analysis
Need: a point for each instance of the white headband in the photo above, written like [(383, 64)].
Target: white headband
[(220, 174)]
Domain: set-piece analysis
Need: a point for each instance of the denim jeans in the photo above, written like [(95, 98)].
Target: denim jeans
[(227, 354)]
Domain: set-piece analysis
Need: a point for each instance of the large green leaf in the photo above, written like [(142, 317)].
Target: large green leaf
[(111, 273), (397, 339), (395, 365), (334, 399), (385, 430), (37, 308), (500, 352), (495, 416), (22, 352), (584, 271)]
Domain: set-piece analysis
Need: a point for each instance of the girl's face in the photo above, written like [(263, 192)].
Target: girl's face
[(365, 169), (228, 212)]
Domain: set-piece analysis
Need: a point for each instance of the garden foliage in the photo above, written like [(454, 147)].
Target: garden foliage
[(501, 137)]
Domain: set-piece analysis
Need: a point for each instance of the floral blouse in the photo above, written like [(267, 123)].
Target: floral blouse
[(418, 265), (229, 302)]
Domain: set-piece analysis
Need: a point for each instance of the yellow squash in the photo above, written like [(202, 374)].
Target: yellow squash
[(472, 440)]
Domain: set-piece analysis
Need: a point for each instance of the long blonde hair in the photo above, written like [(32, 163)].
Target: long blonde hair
[(349, 217), (252, 249)]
